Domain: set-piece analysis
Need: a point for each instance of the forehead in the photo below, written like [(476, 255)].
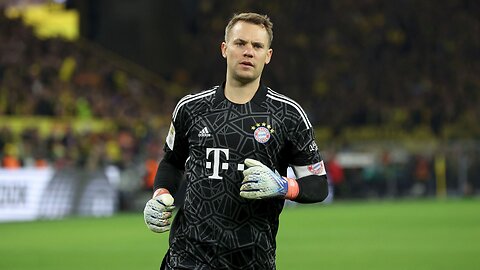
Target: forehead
[(249, 32)]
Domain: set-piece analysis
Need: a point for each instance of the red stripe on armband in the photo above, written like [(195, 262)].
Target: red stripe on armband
[(293, 189)]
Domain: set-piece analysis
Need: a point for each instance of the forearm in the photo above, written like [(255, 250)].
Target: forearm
[(168, 176), (311, 189)]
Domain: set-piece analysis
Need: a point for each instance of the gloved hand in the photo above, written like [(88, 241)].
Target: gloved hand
[(158, 211), (260, 182)]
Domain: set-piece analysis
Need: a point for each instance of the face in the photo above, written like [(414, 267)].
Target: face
[(247, 52)]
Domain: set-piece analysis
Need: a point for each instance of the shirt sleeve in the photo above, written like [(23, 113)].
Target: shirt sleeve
[(308, 165), (176, 142), (304, 150), (171, 168)]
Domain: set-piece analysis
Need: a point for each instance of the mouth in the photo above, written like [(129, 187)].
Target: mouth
[(247, 63)]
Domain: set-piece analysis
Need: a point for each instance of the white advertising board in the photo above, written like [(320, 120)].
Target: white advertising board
[(21, 191)]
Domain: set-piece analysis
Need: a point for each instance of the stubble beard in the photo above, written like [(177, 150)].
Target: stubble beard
[(244, 78)]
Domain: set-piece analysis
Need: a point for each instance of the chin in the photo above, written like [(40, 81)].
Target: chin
[(245, 78)]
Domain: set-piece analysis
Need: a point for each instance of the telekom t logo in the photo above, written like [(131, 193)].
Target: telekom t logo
[(217, 152)]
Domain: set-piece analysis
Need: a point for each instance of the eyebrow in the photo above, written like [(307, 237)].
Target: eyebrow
[(257, 43)]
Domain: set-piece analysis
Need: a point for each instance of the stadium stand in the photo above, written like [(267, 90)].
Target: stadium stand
[(382, 79)]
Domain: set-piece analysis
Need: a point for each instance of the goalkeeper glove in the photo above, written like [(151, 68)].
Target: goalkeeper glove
[(260, 182), (158, 211)]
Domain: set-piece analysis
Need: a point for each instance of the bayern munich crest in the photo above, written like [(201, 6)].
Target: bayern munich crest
[(317, 168), (262, 132)]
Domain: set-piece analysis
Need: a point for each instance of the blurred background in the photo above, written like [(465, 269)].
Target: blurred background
[(87, 89)]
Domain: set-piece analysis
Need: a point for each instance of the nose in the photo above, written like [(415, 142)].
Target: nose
[(248, 51)]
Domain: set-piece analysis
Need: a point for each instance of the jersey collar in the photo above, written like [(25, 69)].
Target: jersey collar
[(259, 97)]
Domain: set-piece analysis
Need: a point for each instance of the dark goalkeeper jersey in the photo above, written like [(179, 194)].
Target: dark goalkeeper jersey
[(209, 138)]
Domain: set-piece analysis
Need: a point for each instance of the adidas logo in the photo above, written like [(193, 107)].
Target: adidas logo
[(204, 133)]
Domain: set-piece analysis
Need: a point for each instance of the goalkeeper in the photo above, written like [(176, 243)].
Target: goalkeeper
[(231, 144)]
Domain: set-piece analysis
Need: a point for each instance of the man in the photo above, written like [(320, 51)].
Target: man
[(232, 143)]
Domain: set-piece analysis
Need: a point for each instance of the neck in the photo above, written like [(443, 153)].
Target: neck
[(241, 93)]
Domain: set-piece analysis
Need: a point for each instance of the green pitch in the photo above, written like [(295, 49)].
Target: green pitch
[(430, 234)]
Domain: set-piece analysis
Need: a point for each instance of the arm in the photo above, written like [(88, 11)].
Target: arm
[(260, 182), (168, 175), (171, 168), (158, 210), (311, 189)]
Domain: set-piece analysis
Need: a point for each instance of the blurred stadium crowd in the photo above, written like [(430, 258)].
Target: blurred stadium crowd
[(62, 83), (371, 67), (402, 64)]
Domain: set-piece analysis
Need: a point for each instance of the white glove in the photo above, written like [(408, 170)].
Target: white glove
[(158, 211), (260, 182)]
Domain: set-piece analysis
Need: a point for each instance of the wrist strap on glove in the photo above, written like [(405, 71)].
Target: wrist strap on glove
[(160, 191), (293, 189)]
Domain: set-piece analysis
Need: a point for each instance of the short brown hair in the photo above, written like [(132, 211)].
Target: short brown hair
[(254, 18)]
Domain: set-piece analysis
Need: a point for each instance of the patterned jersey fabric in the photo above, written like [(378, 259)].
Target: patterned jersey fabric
[(209, 138)]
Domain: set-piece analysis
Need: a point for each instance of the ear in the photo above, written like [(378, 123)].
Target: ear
[(223, 47), (269, 56)]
